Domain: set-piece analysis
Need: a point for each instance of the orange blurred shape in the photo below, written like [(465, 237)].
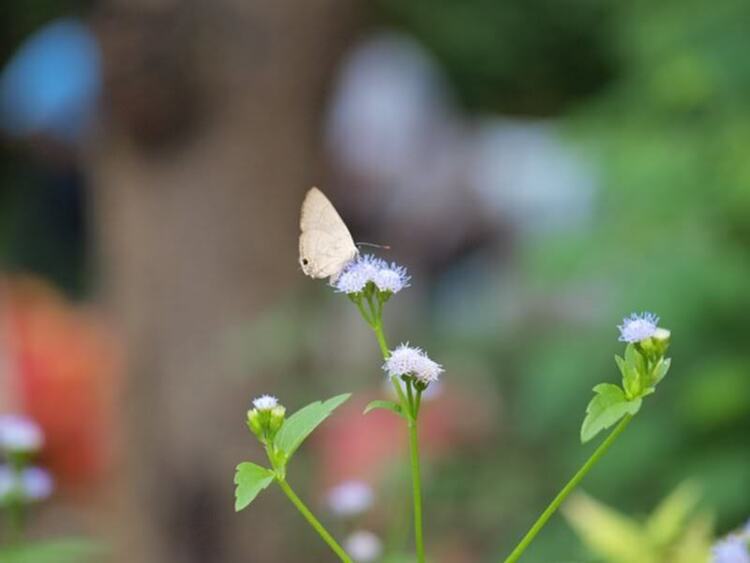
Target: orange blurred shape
[(65, 364)]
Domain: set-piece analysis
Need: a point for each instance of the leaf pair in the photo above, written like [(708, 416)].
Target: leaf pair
[(607, 407), (251, 479)]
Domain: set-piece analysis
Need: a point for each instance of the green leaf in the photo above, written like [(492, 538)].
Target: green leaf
[(607, 407), (250, 479), (629, 377), (387, 405), (660, 370), (299, 426), (68, 550)]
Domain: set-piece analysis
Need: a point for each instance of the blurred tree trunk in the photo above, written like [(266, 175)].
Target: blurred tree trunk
[(210, 139)]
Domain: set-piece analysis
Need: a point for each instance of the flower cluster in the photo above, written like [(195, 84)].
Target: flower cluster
[(386, 278), (21, 483), (31, 484), (408, 361)]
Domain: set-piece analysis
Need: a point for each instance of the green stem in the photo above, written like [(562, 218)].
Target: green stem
[(378, 328), (411, 408), (416, 489), (317, 526), (562, 495)]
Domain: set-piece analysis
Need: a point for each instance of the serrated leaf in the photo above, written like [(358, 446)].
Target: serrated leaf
[(387, 405), (607, 407), (301, 424), (250, 479)]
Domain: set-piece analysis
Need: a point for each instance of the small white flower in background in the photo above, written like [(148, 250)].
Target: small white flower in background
[(410, 361), (733, 549), (265, 402), (368, 268), (20, 434), (350, 498), (363, 546), (33, 483), (636, 328)]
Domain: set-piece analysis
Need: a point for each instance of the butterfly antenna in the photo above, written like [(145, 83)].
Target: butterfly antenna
[(373, 245)]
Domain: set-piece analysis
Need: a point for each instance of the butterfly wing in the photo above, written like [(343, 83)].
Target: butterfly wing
[(325, 244)]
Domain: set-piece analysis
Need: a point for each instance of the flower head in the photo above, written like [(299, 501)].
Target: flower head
[(350, 498), (265, 402), (410, 361), (20, 434), (369, 269), (637, 328), (392, 278), (730, 550), (363, 546)]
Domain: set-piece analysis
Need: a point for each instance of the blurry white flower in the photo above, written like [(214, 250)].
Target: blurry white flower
[(363, 546), (733, 549), (33, 484), (410, 361), (524, 172), (37, 483), (350, 498), (20, 434), (265, 402), (636, 328)]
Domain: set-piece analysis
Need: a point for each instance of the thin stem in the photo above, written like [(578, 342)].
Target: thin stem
[(416, 489), (378, 328), (317, 526), (563, 494)]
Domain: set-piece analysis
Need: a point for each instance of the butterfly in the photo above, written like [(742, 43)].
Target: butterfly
[(326, 246)]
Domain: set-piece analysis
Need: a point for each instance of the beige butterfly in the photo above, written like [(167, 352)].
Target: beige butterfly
[(325, 244)]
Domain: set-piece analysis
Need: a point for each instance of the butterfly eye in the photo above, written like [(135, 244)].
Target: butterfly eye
[(305, 261)]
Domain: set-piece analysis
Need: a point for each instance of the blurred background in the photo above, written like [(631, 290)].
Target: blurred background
[(542, 168)]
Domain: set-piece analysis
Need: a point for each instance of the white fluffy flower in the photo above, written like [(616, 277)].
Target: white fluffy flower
[(265, 402), (637, 328), (363, 546), (20, 434), (367, 269), (33, 483), (392, 278), (350, 498), (410, 361)]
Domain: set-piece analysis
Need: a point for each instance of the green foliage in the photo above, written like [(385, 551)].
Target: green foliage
[(69, 550), (607, 407), (386, 405), (673, 533), (250, 479), (300, 425)]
